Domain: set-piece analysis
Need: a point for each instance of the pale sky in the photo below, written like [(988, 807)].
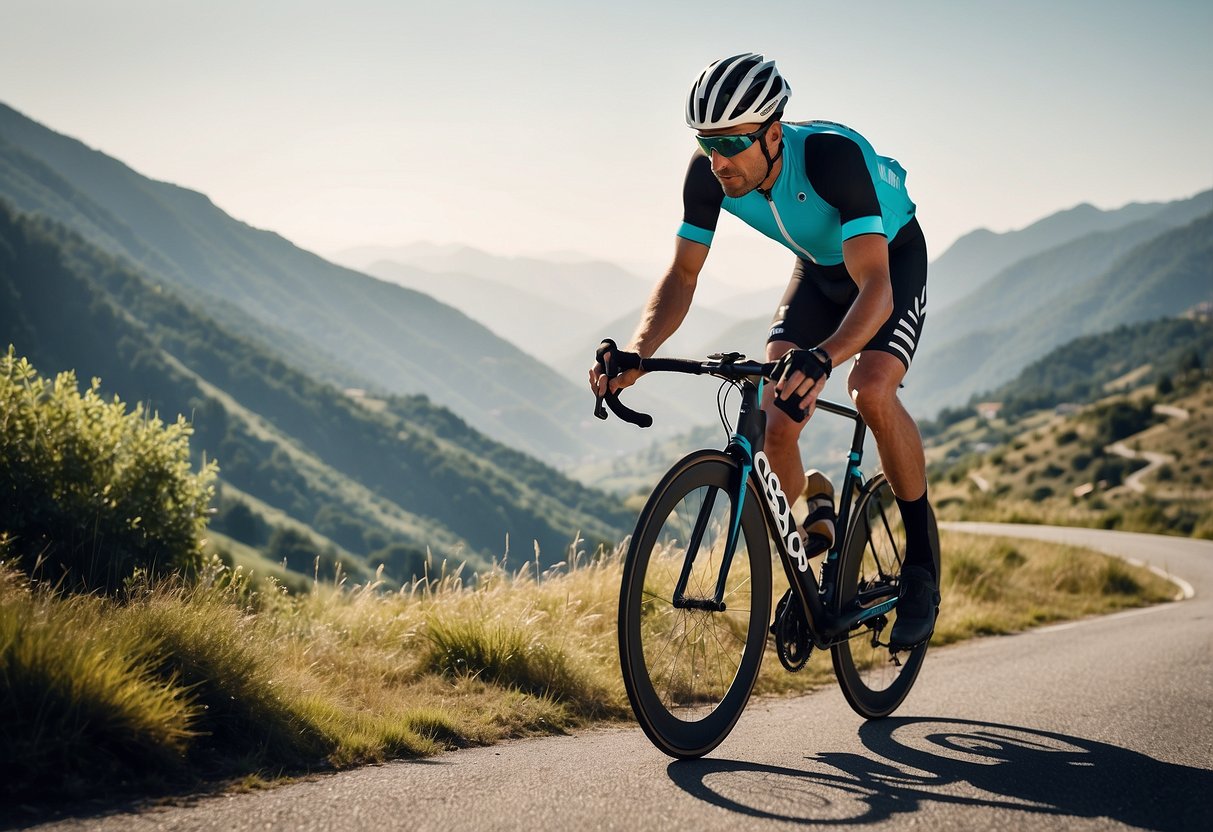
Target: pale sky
[(551, 125)]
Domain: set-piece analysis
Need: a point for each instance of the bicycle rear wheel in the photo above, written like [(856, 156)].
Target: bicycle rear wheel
[(873, 679), (689, 672)]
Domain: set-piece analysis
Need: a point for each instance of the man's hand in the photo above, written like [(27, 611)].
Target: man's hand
[(598, 379), (799, 379)]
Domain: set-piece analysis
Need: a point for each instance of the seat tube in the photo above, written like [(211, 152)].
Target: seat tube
[(852, 480)]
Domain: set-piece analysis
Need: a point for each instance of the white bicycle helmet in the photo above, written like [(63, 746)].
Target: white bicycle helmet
[(742, 89)]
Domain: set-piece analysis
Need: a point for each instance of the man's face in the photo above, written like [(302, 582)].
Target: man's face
[(743, 172)]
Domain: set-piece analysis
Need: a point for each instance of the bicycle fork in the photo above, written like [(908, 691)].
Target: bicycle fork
[(743, 445)]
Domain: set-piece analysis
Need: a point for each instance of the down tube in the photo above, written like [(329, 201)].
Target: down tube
[(804, 584)]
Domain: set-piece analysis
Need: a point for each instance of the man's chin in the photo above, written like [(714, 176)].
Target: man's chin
[(733, 187)]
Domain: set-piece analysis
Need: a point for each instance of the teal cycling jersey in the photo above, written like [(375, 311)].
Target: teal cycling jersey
[(833, 186)]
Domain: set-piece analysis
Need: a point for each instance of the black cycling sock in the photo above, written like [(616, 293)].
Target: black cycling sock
[(916, 515)]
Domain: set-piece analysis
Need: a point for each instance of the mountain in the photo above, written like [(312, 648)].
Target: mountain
[(539, 324), (605, 288), (368, 479), (1085, 369), (1161, 277), (362, 331), (558, 310), (1035, 282), (1129, 449), (980, 255)]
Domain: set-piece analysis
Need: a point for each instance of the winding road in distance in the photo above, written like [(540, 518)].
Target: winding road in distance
[(1105, 723)]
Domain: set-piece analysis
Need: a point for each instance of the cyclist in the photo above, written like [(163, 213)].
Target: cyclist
[(858, 286)]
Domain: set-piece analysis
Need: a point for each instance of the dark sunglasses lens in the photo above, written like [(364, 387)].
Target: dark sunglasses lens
[(724, 145)]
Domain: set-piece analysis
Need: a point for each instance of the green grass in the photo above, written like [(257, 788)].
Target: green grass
[(994, 586), (232, 678)]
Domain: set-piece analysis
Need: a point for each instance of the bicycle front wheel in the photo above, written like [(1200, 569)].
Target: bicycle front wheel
[(689, 670), (874, 680)]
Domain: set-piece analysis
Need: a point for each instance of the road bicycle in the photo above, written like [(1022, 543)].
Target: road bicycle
[(695, 605)]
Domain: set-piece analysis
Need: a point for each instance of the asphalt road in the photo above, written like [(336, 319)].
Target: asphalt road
[(1100, 724)]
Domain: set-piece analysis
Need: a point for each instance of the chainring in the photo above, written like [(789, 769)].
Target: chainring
[(791, 632)]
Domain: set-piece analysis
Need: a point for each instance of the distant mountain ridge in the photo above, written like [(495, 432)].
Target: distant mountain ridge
[(391, 478), (369, 332), (1161, 277), (981, 254), (1035, 281), (597, 287)]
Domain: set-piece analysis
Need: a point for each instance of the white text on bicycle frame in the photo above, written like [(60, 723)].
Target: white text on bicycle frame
[(782, 511)]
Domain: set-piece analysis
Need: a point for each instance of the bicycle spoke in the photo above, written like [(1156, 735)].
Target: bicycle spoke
[(874, 679), (689, 668)]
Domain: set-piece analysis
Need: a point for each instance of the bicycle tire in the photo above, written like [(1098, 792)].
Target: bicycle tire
[(874, 685), (689, 672)]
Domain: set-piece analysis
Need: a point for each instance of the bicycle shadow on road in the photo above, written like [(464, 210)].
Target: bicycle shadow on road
[(919, 761)]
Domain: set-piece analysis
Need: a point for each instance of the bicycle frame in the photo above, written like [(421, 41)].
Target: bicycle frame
[(746, 447)]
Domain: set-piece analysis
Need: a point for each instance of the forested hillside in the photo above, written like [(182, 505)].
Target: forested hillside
[(348, 328), (371, 480), (1109, 430), (1088, 368), (1160, 277)]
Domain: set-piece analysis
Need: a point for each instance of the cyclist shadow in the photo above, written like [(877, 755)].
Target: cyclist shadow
[(918, 761)]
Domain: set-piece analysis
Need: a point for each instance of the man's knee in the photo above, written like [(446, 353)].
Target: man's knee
[(782, 431), (873, 384)]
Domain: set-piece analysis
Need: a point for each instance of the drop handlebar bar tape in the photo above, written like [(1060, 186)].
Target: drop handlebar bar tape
[(618, 362)]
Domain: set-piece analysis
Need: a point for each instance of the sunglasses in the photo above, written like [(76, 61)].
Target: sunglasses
[(729, 146)]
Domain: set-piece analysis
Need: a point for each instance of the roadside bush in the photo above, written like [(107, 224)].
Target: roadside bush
[(90, 493), (1120, 420)]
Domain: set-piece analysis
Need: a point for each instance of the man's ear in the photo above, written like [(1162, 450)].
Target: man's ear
[(775, 134)]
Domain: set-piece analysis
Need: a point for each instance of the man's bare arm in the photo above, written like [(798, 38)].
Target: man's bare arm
[(670, 299), (867, 261), (664, 312)]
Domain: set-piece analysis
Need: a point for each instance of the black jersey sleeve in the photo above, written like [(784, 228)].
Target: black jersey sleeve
[(702, 197), (838, 173)]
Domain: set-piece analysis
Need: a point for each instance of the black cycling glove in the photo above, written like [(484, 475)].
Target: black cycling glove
[(813, 364)]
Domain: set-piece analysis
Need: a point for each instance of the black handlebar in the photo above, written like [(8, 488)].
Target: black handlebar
[(612, 366), (731, 365)]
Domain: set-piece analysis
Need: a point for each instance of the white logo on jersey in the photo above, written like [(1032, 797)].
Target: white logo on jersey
[(888, 175)]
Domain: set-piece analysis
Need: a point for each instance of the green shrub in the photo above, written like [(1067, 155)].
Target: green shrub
[(89, 492), (1120, 420)]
